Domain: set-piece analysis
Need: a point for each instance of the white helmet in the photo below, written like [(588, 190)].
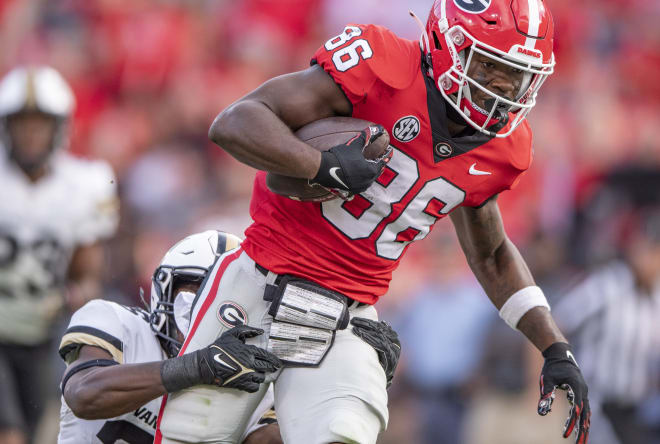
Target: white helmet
[(189, 260), (36, 89)]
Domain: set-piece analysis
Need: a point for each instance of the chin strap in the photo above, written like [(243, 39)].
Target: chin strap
[(424, 38)]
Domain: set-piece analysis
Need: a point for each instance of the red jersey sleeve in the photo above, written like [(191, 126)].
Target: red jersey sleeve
[(363, 56)]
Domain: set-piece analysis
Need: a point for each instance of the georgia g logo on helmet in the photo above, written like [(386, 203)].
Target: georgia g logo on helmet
[(473, 6)]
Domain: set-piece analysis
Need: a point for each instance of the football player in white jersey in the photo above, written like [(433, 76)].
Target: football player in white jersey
[(108, 403), (55, 211)]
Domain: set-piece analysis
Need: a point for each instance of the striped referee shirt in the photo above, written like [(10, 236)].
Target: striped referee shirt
[(615, 330)]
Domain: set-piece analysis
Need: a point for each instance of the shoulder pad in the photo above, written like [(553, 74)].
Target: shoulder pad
[(363, 55), (96, 323), (97, 202), (516, 153)]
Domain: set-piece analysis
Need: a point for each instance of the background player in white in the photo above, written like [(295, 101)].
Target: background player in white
[(55, 211), (108, 403)]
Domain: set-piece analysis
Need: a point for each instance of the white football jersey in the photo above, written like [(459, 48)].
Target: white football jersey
[(41, 224), (126, 334)]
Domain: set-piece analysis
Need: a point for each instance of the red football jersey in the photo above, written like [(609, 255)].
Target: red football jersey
[(353, 247)]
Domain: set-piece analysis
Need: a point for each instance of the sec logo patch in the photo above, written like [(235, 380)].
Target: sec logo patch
[(473, 6), (406, 128), (230, 314)]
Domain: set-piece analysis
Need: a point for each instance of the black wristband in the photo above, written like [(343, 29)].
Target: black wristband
[(180, 372), (85, 365), (557, 349), (328, 161)]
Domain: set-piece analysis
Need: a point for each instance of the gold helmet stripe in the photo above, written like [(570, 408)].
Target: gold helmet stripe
[(30, 90)]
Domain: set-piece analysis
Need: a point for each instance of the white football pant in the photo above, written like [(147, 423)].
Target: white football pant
[(344, 399)]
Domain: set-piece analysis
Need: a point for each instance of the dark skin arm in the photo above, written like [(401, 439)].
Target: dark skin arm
[(269, 434), (106, 392), (500, 269), (85, 272), (277, 108)]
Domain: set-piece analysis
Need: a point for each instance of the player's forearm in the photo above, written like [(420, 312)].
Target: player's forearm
[(540, 328), (501, 272), (504, 273), (254, 135), (106, 392)]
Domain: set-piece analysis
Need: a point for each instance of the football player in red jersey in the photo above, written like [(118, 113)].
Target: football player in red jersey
[(455, 105)]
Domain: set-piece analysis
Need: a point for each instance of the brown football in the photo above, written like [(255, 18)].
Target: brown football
[(324, 134)]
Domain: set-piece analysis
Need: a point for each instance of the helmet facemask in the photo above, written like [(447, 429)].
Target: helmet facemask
[(515, 35), (32, 163), (177, 281), (165, 290), (457, 86)]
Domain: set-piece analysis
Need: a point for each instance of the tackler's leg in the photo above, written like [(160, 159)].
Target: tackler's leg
[(232, 295), (343, 400)]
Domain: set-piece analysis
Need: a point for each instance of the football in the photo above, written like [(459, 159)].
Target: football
[(324, 134)]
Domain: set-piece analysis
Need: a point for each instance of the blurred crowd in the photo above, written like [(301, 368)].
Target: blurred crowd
[(149, 76)]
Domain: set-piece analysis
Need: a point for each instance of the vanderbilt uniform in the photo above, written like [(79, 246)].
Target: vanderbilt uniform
[(353, 247), (125, 333), (41, 225)]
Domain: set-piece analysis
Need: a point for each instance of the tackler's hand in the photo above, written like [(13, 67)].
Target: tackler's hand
[(560, 370), (228, 362), (383, 339)]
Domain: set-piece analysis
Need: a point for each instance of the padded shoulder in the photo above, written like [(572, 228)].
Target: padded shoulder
[(96, 203), (365, 55), (99, 323), (517, 153)]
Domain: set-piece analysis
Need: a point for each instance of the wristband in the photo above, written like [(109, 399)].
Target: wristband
[(558, 349), (181, 372), (520, 303)]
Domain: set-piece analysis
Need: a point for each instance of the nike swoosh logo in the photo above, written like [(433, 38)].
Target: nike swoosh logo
[(218, 358), (570, 356), (333, 173), (476, 172)]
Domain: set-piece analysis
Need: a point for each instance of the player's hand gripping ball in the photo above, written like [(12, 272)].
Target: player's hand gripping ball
[(354, 154)]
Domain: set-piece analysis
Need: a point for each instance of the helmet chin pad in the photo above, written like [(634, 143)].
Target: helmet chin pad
[(480, 115)]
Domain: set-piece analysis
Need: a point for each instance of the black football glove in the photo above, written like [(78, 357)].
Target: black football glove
[(228, 362), (561, 370), (344, 166), (383, 339)]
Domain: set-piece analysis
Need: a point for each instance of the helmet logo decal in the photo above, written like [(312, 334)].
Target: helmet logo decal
[(530, 52), (473, 6), (230, 314), (406, 128)]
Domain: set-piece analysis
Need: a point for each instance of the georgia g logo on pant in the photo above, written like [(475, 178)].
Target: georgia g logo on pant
[(230, 314)]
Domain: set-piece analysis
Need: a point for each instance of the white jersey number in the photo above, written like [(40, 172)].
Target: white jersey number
[(349, 56), (436, 196)]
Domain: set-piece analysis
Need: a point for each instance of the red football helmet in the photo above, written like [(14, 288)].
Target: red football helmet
[(517, 33)]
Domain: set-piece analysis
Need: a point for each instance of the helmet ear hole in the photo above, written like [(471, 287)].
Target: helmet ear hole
[(436, 41)]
